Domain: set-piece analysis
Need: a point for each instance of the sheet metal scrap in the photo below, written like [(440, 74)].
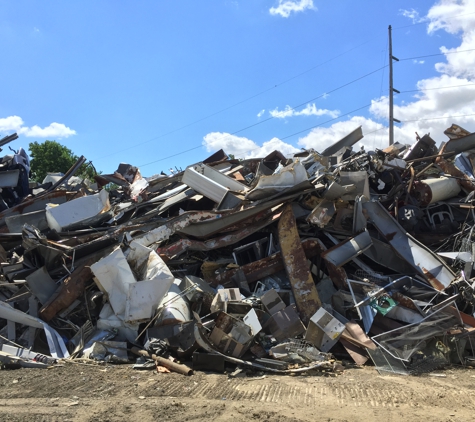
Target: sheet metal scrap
[(356, 252), (303, 286)]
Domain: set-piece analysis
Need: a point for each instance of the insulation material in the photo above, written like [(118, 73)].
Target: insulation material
[(130, 299)]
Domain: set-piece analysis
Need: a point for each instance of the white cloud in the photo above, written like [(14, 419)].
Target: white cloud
[(309, 110), (321, 138), (54, 130), (411, 14), (429, 103), (418, 61), (239, 146), (455, 17), (450, 93), (261, 113), (272, 145), (242, 147), (16, 124), (286, 7), (440, 96), (11, 123)]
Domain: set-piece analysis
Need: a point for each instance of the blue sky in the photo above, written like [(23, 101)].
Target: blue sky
[(141, 81)]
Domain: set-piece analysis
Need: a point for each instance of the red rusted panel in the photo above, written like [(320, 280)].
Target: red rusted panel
[(295, 262), (177, 248), (72, 288)]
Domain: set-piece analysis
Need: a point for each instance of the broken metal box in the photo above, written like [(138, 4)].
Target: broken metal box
[(324, 330), (285, 324), (223, 297), (272, 301), (231, 335)]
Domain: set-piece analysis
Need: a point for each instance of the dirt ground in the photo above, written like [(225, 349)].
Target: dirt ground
[(76, 392)]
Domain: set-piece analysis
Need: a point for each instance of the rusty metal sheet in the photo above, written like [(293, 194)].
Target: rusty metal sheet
[(456, 132), (295, 262), (449, 168), (176, 249), (202, 229), (264, 267), (72, 288), (175, 224)]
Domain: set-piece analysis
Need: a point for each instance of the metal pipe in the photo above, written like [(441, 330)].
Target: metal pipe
[(176, 367)]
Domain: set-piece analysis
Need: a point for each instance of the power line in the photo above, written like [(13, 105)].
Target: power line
[(438, 54), (440, 87), (436, 118), (425, 21), (293, 108), (288, 136), (238, 103), (300, 105), (171, 156), (373, 131), (328, 121), (273, 117), (366, 134), (312, 99), (314, 127), (408, 26)]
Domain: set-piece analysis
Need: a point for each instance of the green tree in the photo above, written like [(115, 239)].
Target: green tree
[(52, 157)]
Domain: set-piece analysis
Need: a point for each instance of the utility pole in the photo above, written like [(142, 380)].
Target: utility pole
[(391, 89)]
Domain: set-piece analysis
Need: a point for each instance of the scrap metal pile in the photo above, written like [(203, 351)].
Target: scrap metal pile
[(278, 264)]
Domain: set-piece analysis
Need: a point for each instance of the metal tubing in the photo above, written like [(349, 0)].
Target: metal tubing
[(176, 367)]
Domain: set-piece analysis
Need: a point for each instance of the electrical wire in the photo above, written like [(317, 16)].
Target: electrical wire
[(273, 117), (302, 104), (257, 148), (438, 54), (432, 89), (238, 103), (435, 118), (171, 156), (312, 99), (425, 21), (323, 123)]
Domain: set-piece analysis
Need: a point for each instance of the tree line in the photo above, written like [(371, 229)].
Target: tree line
[(52, 157)]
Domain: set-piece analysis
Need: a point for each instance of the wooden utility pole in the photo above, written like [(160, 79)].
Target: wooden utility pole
[(391, 89)]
